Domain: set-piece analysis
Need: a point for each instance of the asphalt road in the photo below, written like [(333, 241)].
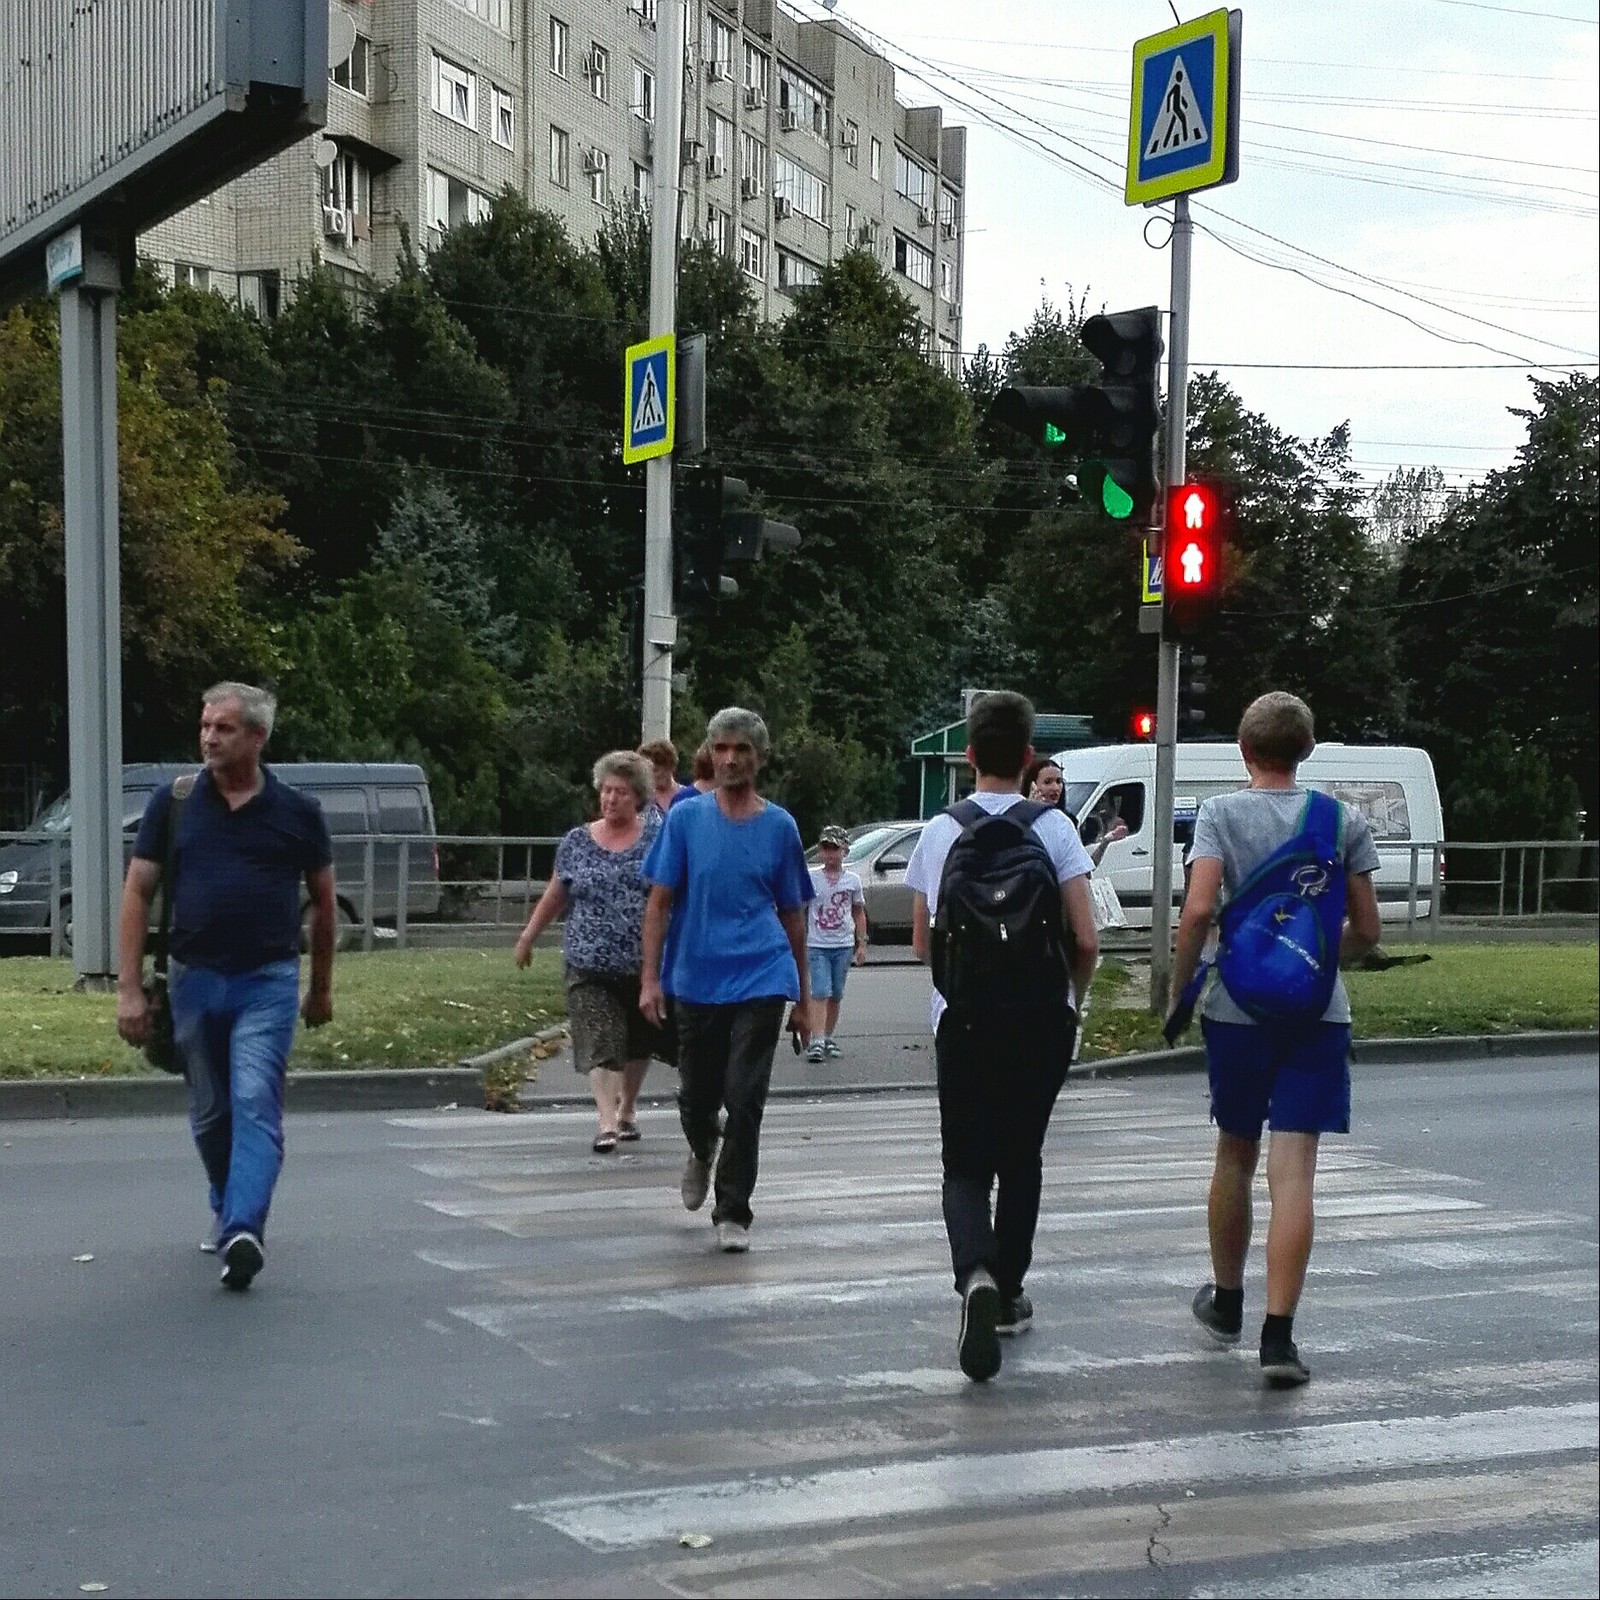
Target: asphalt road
[(483, 1360)]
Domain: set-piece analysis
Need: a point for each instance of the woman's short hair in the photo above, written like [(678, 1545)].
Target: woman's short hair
[(735, 722), (1277, 731), (632, 768), (705, 769), (660, 753)]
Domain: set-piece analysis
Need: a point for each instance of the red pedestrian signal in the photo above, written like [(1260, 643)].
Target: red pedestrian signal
[(1191, 569), (1142, 724)]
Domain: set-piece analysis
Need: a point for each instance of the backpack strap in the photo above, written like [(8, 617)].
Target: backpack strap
[(1322, 822), (968, 813), (182, 788)]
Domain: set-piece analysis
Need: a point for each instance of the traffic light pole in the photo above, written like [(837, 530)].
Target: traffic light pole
[(660, 625), (1167, 668)]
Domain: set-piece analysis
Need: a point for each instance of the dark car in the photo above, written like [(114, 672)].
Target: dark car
[(358, 799)]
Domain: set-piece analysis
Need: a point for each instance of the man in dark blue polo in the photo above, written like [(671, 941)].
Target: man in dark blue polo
[(244, 842)]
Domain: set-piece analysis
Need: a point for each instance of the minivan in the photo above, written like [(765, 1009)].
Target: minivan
[(1393, 787), (358, 798)]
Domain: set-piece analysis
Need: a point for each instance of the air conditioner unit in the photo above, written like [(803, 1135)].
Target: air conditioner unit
[(788, 120), (750, 188), (755, 100), (867, 233), (335, 222), (782, 206), (650, 144), (592, 162), (715, 166), (716, 70), (849, 138), (924, 217), (690, 152)]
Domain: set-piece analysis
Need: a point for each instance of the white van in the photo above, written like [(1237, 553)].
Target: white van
[(1393, 786)]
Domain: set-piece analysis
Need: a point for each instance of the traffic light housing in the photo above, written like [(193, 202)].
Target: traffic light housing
[(1191, 560), (1192, 689), (712, 525), (1107, 429)]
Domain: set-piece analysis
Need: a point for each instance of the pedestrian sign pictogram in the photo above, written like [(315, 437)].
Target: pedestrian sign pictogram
[(649, 372), (1183, 126)]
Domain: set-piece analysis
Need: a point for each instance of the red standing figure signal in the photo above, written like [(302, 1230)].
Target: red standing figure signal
[(1191, 569)]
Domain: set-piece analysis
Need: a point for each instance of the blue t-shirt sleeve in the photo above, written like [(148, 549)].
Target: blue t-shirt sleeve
[(667, 863), (794, 887), (150, 843)]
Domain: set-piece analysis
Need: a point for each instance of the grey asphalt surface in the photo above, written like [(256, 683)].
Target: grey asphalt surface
[(484, 1360)]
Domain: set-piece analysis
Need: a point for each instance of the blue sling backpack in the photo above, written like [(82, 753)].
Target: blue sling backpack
[(1278, 947)]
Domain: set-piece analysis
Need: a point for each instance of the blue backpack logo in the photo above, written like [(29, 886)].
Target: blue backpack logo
[(1278, 950)]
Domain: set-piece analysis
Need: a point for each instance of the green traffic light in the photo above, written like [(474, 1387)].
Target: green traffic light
[(1054, 438), (1116, 500)]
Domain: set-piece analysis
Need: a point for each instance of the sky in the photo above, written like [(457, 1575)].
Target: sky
[(1439, 156)]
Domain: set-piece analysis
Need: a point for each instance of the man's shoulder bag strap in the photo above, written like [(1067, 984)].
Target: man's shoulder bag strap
[(182, 788)]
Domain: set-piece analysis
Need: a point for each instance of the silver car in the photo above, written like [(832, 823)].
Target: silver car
[(878, 855)]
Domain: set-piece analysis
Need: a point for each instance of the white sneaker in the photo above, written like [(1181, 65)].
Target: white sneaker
[(733, 1238)]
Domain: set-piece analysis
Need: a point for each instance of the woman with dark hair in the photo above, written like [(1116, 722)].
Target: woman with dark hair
[(1042, 781)]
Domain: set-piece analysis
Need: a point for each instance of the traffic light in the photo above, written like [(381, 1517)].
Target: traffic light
[(1142, 724), (1107, 429), (1191, 563), (711, 526), (1192, 689)]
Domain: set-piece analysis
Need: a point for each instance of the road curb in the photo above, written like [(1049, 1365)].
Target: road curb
[(423, 1088)]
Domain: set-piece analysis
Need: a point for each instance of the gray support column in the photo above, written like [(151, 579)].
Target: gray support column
[(94, 620)]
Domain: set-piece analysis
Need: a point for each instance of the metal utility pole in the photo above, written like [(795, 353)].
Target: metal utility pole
[(660, 625), (1167, 667), (94, 602)]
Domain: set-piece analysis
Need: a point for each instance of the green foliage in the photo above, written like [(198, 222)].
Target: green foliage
[(1508, 791)]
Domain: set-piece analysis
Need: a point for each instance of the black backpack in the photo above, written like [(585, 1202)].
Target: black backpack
[(998, 940)]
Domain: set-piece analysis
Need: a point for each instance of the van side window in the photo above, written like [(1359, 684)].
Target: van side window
[(1381, 802), (1122, 800), (400, 811), (345, 809)]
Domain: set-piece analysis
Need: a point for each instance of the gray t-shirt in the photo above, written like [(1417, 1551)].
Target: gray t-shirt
[(1241, 830)]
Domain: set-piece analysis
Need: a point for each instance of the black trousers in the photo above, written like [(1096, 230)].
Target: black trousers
[(998, 1082), (725, 1060)]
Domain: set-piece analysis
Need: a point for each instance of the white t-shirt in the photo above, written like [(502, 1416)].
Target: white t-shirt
[(830, 922), (926, 867)]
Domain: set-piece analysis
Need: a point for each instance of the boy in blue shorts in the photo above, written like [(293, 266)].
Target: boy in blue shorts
[(836, 938), (1296, 1083)]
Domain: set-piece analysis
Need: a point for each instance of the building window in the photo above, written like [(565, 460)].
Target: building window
[(641, 186), (850, 239), (645, 10), (804, 101), (757, 70), (644, 94), (753, 254), (497, 13), (877, 161), (795, 272), (949, 356), (598, 165), (851, 140), (947, 279), (186, 275), (502, 121), (560, 157), (453, 204), (719, 230), (719, 131), (949, 212), (559, 36), (913, 261), (258, 295), (599, 68), (913, 181), (347, 187), (455, 92), (803, 189), (351, 73), (752, 163), (720, 54)]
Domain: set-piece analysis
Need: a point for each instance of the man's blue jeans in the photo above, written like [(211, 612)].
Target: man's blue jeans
[(233, 1032)]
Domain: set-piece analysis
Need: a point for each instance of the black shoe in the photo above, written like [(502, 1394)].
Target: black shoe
[(1016, 1315), (1281, 1365), (242, 1259), (979, 1346), (1204, 1307)]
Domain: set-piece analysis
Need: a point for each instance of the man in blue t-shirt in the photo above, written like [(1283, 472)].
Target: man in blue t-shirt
[(243, 843), (725, 941)]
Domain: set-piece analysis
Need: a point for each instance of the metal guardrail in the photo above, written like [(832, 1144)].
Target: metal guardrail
[(487, 885)]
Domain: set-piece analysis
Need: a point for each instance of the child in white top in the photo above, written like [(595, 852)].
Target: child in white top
[(836, 938)]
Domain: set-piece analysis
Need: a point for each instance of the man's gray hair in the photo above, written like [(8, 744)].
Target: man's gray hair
[(632, 768), (734, 722), (258, 707)]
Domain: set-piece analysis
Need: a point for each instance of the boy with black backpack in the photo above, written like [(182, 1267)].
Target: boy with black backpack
[(1001, 906), (1297, 870)]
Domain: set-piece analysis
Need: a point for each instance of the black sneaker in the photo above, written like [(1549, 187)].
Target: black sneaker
[(1016, 1315), (242, 1259), (1281, 1365), (979, 1346), (1204, 1307)]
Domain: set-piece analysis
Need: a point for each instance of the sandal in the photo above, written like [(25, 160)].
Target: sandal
[(628, 1132), (605, 1142)]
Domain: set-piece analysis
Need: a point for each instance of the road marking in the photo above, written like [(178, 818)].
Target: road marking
[(951, 1484)]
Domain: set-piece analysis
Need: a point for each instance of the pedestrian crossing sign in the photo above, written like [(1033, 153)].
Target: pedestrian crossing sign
[(649, 393), (1183, 124)]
